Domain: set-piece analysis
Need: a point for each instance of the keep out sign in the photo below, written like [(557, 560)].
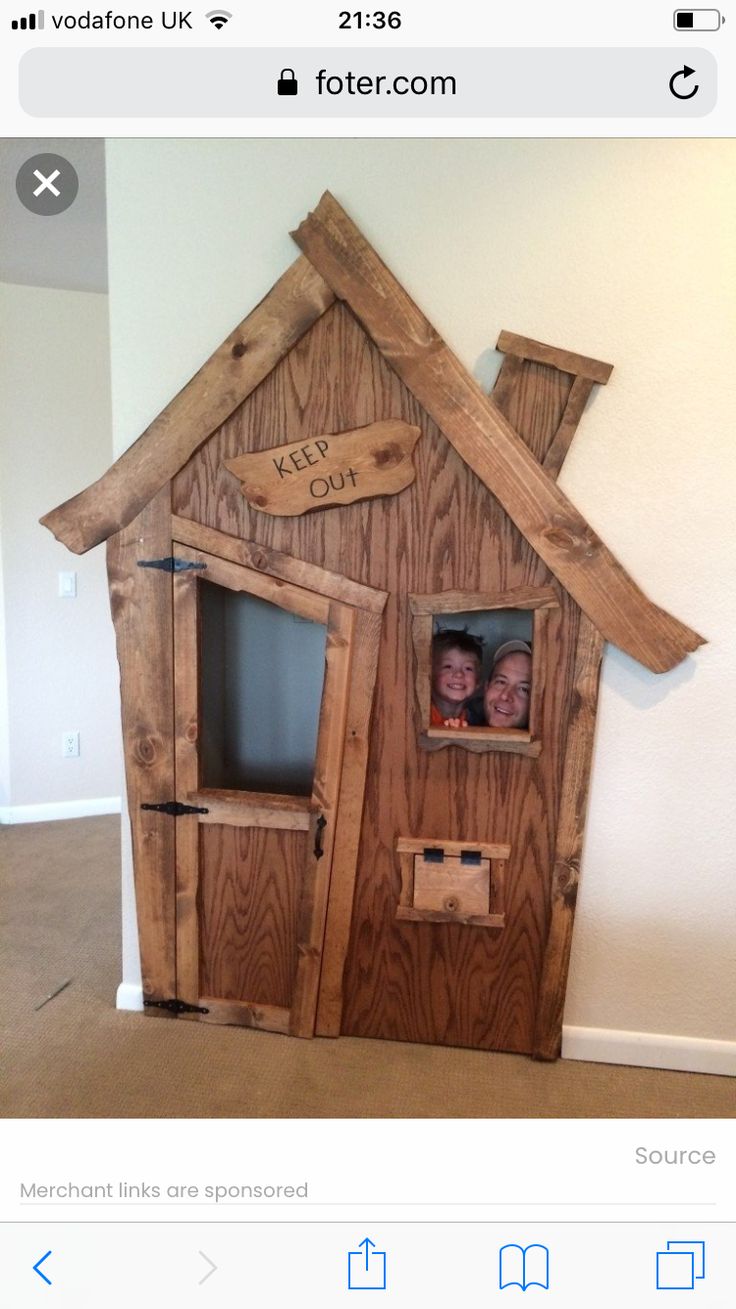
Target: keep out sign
[(329, 470)]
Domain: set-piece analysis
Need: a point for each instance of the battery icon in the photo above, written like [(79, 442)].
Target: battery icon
[(697, 20)]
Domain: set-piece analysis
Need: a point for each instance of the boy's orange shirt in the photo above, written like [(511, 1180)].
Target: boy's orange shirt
[(436, 719)]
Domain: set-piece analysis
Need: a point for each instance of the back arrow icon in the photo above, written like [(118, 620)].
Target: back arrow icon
[(212, 1269), (683, 72), (37, 1267)]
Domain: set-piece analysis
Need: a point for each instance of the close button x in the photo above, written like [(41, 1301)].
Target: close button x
[(47, 183)]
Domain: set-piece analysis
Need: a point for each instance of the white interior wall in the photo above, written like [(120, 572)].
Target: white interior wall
[(618, 249), (60, 667)]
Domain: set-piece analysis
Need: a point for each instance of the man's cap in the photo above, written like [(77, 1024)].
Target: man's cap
[(511, 647)]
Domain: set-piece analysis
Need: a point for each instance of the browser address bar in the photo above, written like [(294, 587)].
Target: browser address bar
[(568, 82)]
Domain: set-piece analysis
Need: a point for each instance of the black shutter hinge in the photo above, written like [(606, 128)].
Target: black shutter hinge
[(175, 808), (170, 564), (319, 848), (175, 1006)]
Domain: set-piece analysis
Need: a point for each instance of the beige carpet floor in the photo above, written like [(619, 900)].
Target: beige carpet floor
[(80, 1057)]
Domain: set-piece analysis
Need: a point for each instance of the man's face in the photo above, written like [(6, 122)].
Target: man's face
[(455, 675), (506, 698)]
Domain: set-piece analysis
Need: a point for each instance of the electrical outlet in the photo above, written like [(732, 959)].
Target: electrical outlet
[(70, 745)]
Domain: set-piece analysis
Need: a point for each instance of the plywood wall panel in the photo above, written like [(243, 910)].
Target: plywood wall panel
[(442, 983), (248, 923)]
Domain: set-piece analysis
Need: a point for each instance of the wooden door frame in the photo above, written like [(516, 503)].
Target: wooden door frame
[(326, 895)]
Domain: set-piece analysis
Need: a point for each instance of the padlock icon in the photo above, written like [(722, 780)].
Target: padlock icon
[(287, 83)]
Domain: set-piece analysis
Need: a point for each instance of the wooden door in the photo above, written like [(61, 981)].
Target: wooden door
[(254, 861)]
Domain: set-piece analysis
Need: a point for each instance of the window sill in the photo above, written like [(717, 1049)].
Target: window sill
[(481, 739)]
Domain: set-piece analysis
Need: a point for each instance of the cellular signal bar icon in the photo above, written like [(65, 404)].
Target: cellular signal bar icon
[(33, 23)]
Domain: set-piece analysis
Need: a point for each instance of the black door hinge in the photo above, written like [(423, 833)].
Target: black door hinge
[(175, 808), (175, 1006), (170, 564)]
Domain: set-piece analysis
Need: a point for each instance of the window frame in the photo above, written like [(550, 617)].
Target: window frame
[(424, 609)]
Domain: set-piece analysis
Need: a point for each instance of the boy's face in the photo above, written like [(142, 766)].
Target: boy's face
[(506, 698), (455, 675)]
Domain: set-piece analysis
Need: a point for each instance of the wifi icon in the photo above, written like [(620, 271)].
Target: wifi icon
[(218, 17)]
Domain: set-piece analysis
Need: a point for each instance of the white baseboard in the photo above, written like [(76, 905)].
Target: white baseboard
[(48, 813), (686, 1054), (129, 996)]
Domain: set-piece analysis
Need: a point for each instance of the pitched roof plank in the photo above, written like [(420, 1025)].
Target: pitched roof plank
[(235, 369), (489, 445)]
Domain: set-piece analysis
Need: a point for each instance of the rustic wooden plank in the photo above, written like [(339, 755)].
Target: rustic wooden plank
[(481, 739), (328, 470), (236, 578), (408, 915), (273, 562), (524, 347), (455, 602), (534, 405), (252, 809), (489, 445), (250, 884), (451, 887), (339, 656), (186, 701), (417, 844), (539, 671), (421, 633), (577, 400), (241, 1013), (507, 380), (348, 825), (568, 848), (235, 369), (140, 599)]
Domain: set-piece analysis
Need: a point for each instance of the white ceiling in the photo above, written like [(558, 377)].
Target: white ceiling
[(67, 251)]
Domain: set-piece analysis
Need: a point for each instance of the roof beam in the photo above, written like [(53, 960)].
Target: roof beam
[(477, 429), (245, 357)]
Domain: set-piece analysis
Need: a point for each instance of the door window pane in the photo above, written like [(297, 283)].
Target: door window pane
[(261, 676)]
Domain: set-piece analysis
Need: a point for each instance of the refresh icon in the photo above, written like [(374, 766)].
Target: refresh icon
[(683, 73)]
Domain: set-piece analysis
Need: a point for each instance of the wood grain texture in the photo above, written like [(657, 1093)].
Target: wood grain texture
[(569, 843), (418, 844), (252, 809), (250, 883), (329, 470), (239, 1013), (339, 656), (439, 982), (454, 602), (577, 400), (489, 445), (479, 739), (245, 357), (333, 585), (330, 1000), (307, 604), (524, 347), (452, 888), (140, 599), (533, 398), (507, 381)]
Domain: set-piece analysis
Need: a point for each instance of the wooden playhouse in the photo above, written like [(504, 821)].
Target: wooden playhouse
[(334, 473)]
